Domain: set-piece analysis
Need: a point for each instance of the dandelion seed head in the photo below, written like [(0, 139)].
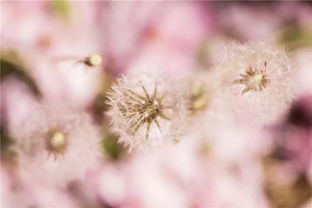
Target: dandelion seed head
[(257, 81), (61, 143), (146, 109)]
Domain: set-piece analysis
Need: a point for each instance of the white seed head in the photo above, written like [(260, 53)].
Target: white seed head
[(61, 143), (257, 80), (147, 110)]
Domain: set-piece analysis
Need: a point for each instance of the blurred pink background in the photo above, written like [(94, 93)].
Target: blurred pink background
[(221, 162)]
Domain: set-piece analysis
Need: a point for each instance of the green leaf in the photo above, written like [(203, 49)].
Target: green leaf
[(111, 147)]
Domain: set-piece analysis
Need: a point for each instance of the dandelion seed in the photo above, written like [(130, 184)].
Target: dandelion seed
[(93, 60), (146, 110)]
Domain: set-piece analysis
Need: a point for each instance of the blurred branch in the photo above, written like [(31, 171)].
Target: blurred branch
[(12, 69)]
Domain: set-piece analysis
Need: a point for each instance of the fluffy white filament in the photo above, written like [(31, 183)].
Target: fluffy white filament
[(147, 110)]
